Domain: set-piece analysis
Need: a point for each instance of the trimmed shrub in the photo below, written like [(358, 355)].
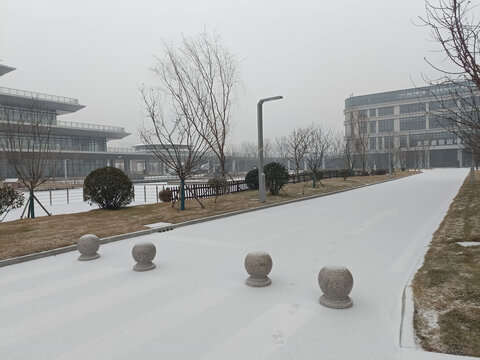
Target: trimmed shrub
[(276, 176), (10, 199), (219, 184), (165, 195), (109, 188), (344, 173), (252, 179)]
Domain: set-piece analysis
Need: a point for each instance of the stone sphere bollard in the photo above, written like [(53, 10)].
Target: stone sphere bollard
[(143, 254), (88, 246), (336, 282), (258, 265)]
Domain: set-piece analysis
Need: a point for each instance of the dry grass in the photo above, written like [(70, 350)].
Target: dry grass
[(447, 287), (28, 236)]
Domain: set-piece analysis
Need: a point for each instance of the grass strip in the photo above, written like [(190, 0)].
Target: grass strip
[(446, 288)]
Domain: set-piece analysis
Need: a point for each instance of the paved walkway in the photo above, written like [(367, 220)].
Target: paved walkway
[(195, 305)]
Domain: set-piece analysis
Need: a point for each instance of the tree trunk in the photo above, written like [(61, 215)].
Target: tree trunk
[(31, 207), (182, 194)]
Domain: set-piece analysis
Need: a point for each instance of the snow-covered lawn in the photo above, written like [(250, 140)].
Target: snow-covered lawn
[(195, 304), (60, 202)]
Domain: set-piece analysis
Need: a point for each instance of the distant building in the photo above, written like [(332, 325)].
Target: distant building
[(406, 126), (83, 147)]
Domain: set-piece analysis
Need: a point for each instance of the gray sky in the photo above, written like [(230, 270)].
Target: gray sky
[(314, 53)]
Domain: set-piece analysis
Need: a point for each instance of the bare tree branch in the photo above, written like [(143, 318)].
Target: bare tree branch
[(200, 77)]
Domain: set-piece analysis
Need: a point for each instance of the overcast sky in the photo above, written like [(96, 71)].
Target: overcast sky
[(314, 53)]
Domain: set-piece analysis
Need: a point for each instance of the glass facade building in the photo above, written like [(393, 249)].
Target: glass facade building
[(76, 148), (407, 126)]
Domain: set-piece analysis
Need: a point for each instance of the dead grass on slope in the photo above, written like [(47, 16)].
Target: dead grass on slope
[(28, 236), (447, 287)]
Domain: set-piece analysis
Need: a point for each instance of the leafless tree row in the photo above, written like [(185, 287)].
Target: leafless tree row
[(455, 28)]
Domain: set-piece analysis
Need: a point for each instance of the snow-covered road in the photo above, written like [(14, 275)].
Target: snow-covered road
[(195, 304)]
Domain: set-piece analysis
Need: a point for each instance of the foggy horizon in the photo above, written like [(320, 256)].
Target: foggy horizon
[(314, 54)]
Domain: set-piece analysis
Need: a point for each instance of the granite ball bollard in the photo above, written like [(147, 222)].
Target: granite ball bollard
[(258, 265), (88, 246), (336, 282), (143, 254)]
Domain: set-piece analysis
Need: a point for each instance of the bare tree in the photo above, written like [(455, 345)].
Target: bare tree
[(268, 147), (26, 138), (359, 137), (318, 146), (399, 154), (336, 152), (172, 140), (297, 142), (281, 147), (248, 149), (200, 76), (349, 154), (454, 27)]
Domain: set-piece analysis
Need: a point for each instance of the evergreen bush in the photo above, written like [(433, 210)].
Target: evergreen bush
[(10, 199), (252, 179), (276, 177), (109, 188), (165, 195)]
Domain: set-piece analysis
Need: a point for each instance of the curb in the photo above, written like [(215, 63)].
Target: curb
[(106, 240)]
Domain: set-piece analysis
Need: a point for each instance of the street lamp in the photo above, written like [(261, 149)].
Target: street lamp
[(261, 175), (65, 167)]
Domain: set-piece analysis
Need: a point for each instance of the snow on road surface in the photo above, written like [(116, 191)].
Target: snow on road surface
[(195, 304)]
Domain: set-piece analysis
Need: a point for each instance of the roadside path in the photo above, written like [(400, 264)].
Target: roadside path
[(195, 305)]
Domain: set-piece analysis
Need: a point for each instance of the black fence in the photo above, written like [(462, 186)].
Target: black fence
[(204, 190), (200, 191)]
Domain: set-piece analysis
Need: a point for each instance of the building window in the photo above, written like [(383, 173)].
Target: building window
[(385, 111), (362, 128), (380, 143), (373, 143), (410, 108), (413, 123), (362, 113), (388, 142), (403, 141), (372, 112), (385, 125), (373, 127), (436, 122), (442, 105)]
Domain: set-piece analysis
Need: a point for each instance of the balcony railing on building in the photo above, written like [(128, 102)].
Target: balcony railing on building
[(35, 95), (78, 125)]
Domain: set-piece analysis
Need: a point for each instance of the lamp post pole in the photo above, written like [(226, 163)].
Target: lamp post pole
[(65, 167), (261, 175)]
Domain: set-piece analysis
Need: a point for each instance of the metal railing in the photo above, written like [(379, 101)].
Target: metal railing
[(90, 126), (120, 150), (35, 95)]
